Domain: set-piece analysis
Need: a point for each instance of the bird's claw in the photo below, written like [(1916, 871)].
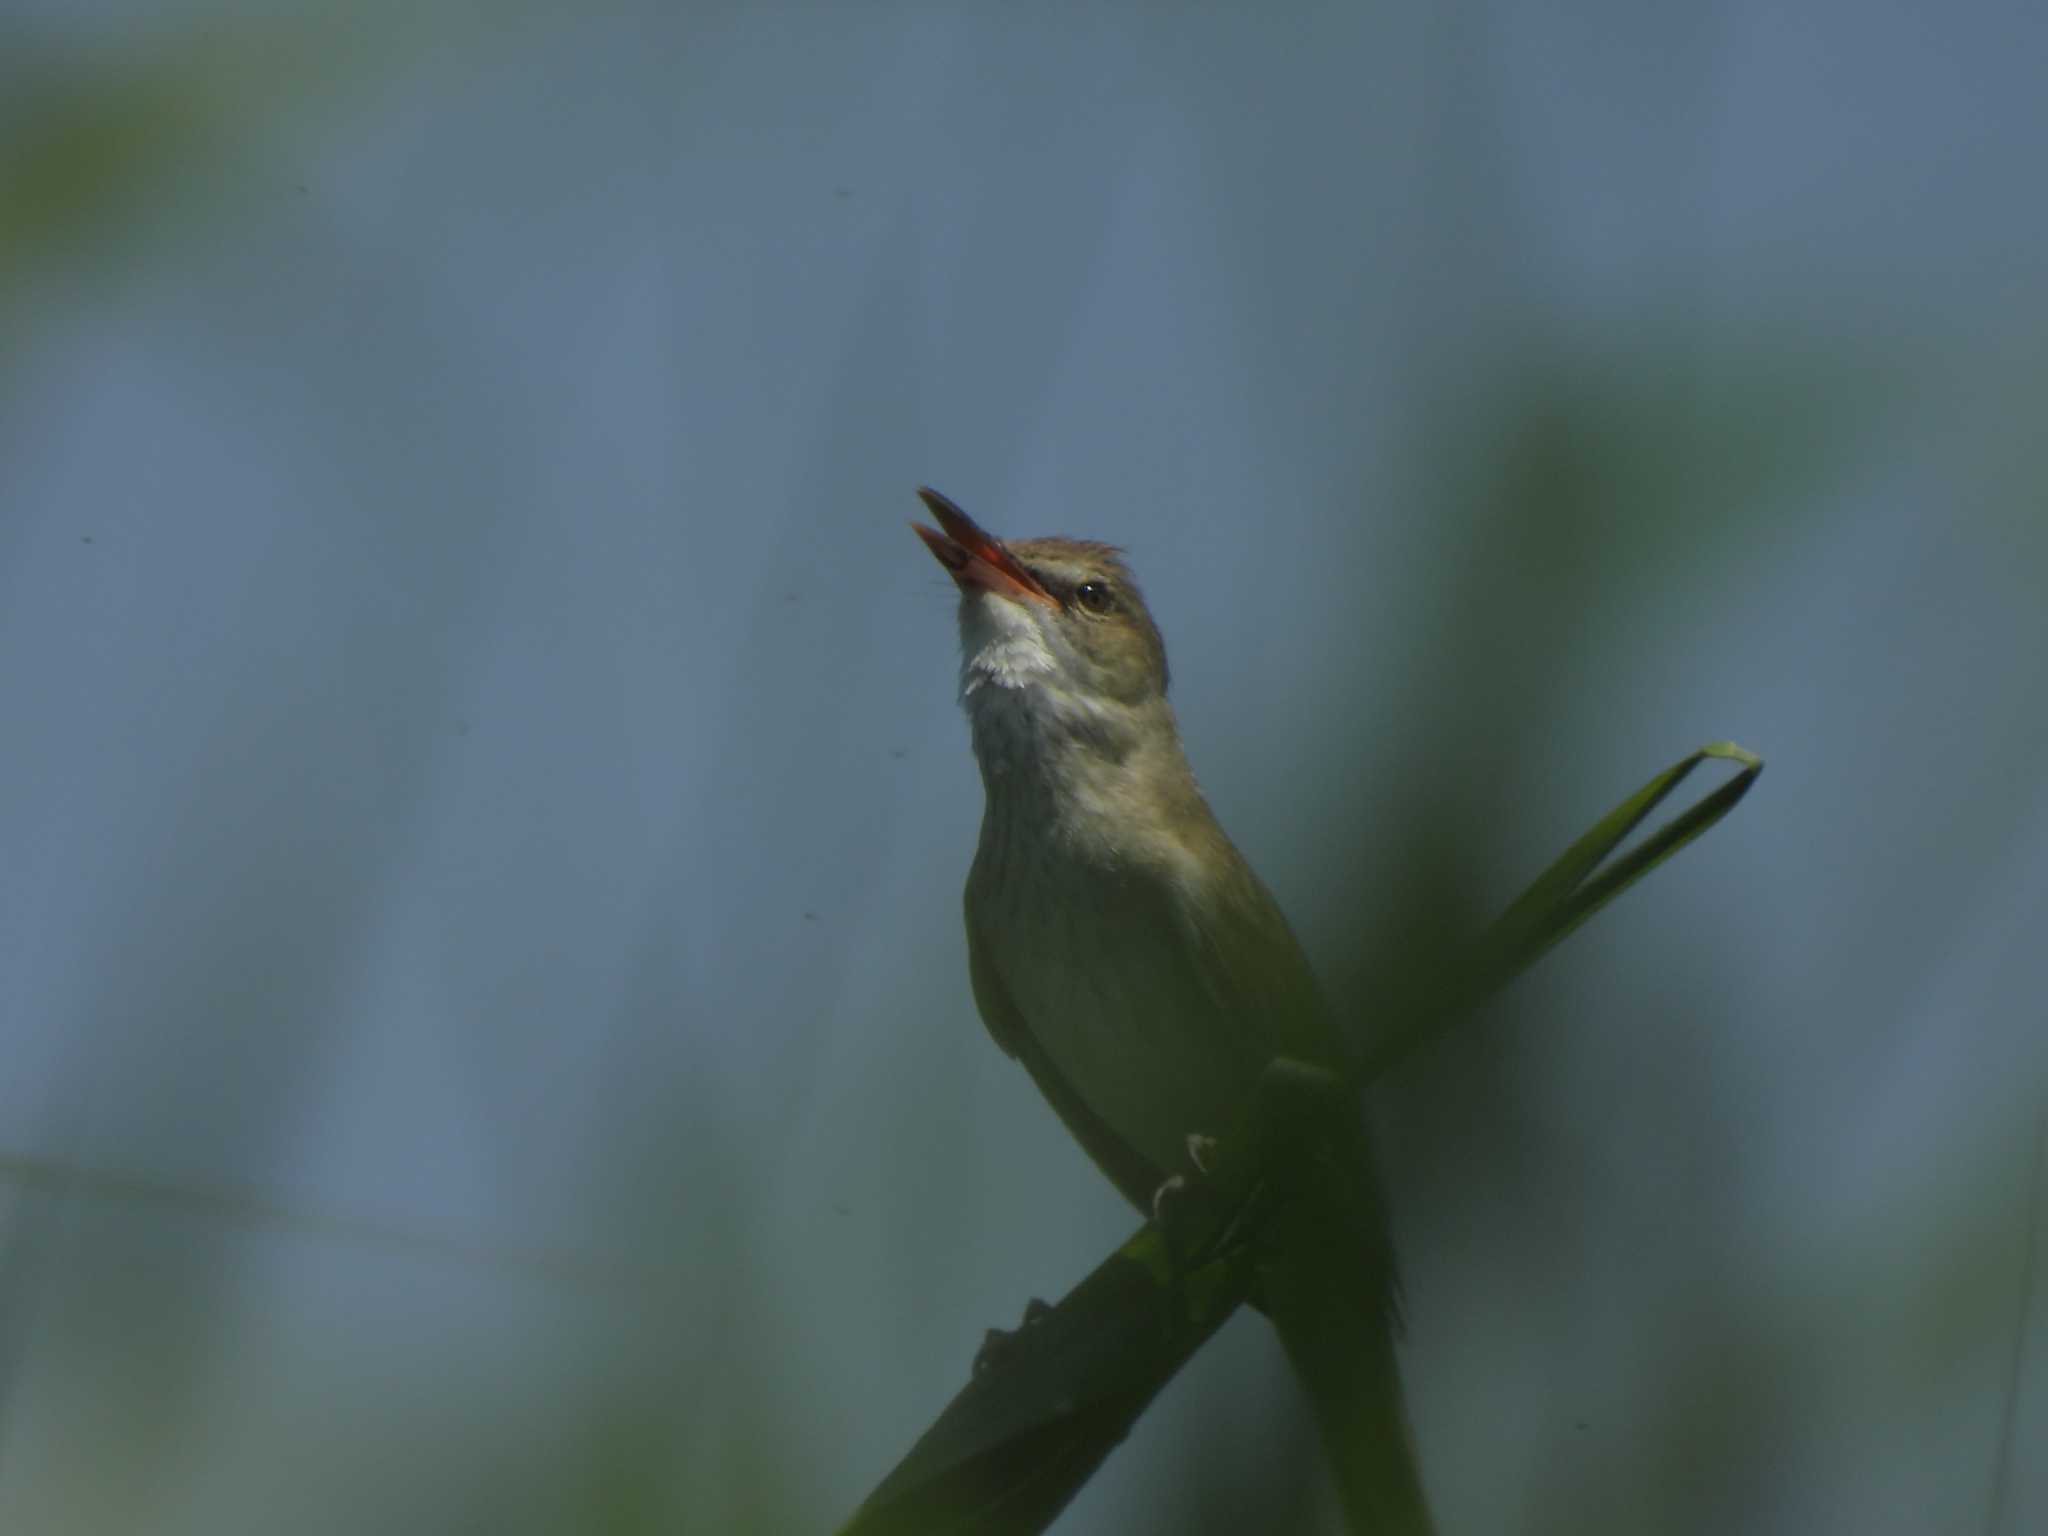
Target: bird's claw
[(1164, 1196), (1181, 1198)]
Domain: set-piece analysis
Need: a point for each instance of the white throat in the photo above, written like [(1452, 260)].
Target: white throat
[(1002, 646)]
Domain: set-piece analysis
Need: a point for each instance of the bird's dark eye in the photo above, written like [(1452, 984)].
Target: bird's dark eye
[(1095, 596)]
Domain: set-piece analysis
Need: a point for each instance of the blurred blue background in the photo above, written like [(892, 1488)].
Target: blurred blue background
[(485, 1016)]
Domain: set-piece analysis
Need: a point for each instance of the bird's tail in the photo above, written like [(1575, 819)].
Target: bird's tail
[(1330, 1288)]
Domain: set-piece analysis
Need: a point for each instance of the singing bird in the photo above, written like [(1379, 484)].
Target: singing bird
[(1121, 948)]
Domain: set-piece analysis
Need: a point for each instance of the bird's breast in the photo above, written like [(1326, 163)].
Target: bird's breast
[(1103, 964)]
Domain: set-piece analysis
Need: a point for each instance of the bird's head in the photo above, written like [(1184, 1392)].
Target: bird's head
[(1059, 618)]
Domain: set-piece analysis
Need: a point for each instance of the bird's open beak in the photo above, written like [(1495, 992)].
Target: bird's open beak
[(975, 556)]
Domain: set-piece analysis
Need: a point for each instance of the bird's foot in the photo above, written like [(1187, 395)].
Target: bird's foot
[(999, 1344), (1166, 1197), (1184, 1205), (1172, 1215)]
